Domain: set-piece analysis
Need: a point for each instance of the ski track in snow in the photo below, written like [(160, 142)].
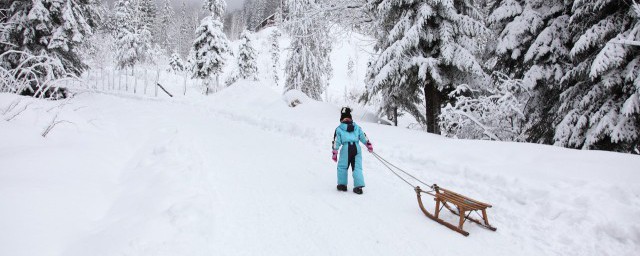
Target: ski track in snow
[(240, 173)]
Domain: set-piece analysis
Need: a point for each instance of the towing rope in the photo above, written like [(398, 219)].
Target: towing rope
[(390, 165)]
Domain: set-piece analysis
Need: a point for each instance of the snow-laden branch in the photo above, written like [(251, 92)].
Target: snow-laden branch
[(495, 110)]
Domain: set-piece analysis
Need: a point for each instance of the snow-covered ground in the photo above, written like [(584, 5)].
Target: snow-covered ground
[(241, 173)]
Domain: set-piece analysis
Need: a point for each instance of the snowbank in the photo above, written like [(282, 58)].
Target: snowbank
[(241, 172)]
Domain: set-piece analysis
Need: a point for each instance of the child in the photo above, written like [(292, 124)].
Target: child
[(345, 139)]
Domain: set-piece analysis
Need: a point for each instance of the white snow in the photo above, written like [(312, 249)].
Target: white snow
[(241, 173)]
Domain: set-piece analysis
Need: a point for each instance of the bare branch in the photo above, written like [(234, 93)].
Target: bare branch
[(19, 112)]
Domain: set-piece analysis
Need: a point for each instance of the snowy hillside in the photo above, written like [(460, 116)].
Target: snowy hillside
[(241, 173)]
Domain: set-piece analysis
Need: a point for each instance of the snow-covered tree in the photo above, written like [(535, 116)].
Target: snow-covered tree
[(493, 112), (176, 63), (424, 49), (600, 100), (133, 36), (274, 40), (165, 28), (148, 12), (532, 45), (42, 27), (184, 32), (247, 66), (216, 7), (210, 46), (308, 66)]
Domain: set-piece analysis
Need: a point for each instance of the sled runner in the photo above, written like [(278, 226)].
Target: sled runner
[(463, 204)]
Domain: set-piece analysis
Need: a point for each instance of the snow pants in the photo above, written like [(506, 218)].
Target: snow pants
[(350, 156)]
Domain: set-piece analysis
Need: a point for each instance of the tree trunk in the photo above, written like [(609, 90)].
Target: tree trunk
[(432, 103), (395, 116)]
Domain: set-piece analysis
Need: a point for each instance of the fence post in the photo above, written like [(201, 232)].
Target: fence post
[(145, 81), (184, 83), (102, 77), (155, 85), (126, 81), (135, 77)]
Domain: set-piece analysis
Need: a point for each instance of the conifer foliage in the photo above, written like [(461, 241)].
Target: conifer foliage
[(600, 99), (532, 46), (275, 54), (210, 45), (133, 34), (53, 28), (247, 66), (424, 49), (176, 63), (308, 67)]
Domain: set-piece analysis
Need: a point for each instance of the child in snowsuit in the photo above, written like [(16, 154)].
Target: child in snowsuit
[(345, 139)]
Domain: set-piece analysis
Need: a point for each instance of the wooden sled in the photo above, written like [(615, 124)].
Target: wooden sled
[(463, 204)]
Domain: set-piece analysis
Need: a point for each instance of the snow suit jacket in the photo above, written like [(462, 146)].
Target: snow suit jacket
[(345, 139)]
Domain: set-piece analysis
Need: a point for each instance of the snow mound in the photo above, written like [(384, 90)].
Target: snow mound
[(294, 98)]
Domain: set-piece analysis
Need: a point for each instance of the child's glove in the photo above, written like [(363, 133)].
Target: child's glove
[(335, 155), (369, 147)]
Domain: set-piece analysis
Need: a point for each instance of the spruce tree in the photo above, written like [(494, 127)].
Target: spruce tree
[(274, 39), (210, 46), (532, 45), (176, 63), (148, 12), (308, 66), (184, 31), (247, 66), (48, 28), (166, 27), (599, 106), (133, 36), (424, 50)]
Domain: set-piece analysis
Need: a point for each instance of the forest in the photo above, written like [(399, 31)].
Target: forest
[(556, 72)]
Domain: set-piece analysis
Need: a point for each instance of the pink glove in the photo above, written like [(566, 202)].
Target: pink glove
[(369, 147), (335, 156)]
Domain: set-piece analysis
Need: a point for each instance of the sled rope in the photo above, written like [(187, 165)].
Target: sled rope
[(389, 165)]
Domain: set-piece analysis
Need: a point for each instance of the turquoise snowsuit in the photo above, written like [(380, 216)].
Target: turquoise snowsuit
[(350, 153)]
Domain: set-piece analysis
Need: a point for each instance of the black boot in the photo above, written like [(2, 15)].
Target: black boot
[(357, 190), (342, 187)]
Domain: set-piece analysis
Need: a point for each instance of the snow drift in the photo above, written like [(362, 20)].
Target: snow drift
[(242, 173)]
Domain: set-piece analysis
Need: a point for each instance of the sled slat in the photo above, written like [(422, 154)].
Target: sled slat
[(464, 205)]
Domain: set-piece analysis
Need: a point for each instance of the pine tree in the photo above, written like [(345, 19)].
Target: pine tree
[(274, 39), (247, 66), (53, 28), (166, 27), (424, 50), (216, 7), (176, 63), (133, 36), (210, 46), (308, 66), (184, 31), (532, 46), (599, 104), (148, 12), (261, 11)]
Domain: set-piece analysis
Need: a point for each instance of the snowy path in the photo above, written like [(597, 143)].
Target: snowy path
[(242, 174)]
